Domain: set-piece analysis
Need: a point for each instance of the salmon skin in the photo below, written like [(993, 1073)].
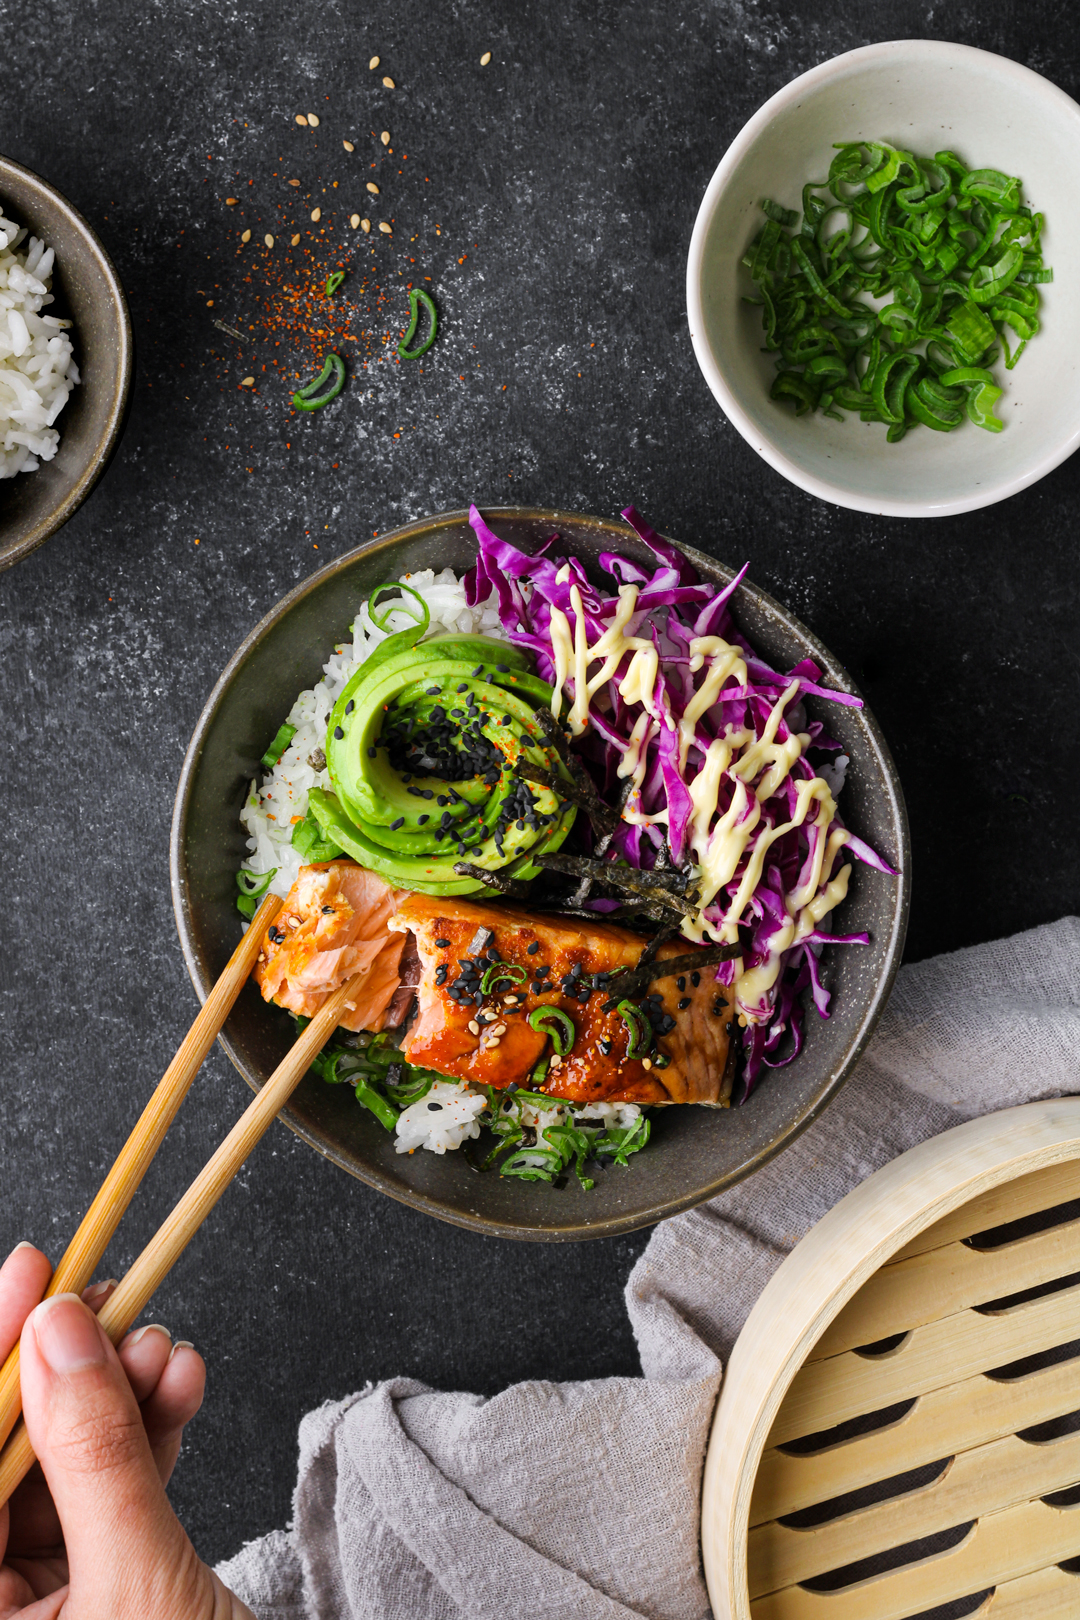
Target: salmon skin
[(334, 923), (487, 1039)]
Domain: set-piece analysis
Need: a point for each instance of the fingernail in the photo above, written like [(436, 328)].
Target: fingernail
[(181, 1344), (22, 1245), (95, 1291), (68, 1336), (151, 1327)]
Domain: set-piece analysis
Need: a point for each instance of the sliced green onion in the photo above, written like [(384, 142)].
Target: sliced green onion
[(422, 618), (283, 736), (309, 398), (502, 970), (311, 843), (418, 299), (639, 1027), (254, 884), (556, 1024), (384, 1111), (334, 282)]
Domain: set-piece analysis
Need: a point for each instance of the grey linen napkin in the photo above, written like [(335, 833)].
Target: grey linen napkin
[(412, 1504)]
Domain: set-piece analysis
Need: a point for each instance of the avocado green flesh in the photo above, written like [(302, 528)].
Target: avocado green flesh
[(422, 749)]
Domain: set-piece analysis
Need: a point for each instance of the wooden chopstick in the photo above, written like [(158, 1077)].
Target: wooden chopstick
[(172, 1238), (117, 1190)]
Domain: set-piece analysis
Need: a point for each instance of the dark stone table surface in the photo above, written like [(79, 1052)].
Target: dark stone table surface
[(550, 197)]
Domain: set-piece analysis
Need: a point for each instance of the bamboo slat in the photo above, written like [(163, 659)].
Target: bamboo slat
[(824, 1393), (940, 1424), (943, 1281), (1011, 1201)]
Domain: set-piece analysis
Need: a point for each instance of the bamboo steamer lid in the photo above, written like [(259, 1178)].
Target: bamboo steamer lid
[(892, 1433)]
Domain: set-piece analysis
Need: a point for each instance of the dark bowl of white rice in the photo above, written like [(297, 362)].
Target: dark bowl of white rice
[(695, 1152), (57, 436)]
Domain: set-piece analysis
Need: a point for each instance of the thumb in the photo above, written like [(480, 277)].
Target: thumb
[(124, 1544)]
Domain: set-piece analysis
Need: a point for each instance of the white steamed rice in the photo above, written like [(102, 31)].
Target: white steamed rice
[(37, 362), (279, 801)]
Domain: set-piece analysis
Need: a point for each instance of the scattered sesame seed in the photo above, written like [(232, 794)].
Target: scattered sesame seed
[(294, 241), (365, 225), (354, 221), (348, 145), (493, 1040), (400, 822), (247, 382), (373, 64), (316, 215), (474, 1027), (294, 182), (646, 1063), (388, 84), (313, 120), (485, 59), (231, 202), (684, 1003), (384, 227), (373, 188), (300, 119), (246, 237), (385, 137), (532, 949), (269, 240), (442, 944)]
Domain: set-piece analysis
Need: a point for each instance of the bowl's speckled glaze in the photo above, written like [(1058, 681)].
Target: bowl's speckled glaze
[(695, 1152), (87, 291)]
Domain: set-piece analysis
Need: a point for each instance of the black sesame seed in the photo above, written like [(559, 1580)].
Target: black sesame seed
[(695, 978), (434, 1108), (442, 799), (536, 987), (338, 733), (442, 944), (681, 982), (506, 720), (464, 687), (400, 822), (575, 971), (684, 1003), (421, 819), (440, 974), (327, 910), (532, 949), (427, 793), (605, 1047), (350, 706), (434, 691), (371, 751)]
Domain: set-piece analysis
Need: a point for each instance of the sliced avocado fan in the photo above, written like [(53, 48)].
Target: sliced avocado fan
[(423, 747)]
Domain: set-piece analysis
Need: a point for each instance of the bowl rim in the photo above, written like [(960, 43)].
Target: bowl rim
[(427, 1203), (110, 438), (825, 489)]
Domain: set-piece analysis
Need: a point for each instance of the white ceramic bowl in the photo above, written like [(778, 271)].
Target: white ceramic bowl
[(923, 95)]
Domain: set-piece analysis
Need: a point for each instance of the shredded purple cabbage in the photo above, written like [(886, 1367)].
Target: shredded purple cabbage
[(673, 607)]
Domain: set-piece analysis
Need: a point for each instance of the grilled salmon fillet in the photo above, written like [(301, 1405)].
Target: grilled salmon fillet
[(487, 1038), (334, 923)]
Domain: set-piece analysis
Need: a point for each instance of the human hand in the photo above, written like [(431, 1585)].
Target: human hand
[(90, 1534)]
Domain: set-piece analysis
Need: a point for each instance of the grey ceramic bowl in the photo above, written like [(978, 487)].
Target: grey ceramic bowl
[(695, 1152), (34, 505)]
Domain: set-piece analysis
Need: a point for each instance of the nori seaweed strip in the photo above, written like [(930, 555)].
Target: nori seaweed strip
[(638, 978), (512, 887), (604, 817), (669, 891)]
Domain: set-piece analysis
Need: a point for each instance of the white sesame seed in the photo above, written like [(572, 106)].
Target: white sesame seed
[(373, 188), (231, 202), (294, 182), (269, 240), (485, 59), (354, 221), (384, 227), (246, 237), (300, 119), (474, 1027), (348, 145), (388, 84), (247, 382), (493, 1042), (500, 1029), (646, 1063), (365, 225), (313, 120), (385, 137), (373, 64), (294, 241), (316, 215)]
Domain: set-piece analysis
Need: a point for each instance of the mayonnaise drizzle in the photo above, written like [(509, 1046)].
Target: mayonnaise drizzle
[(757, 766)]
